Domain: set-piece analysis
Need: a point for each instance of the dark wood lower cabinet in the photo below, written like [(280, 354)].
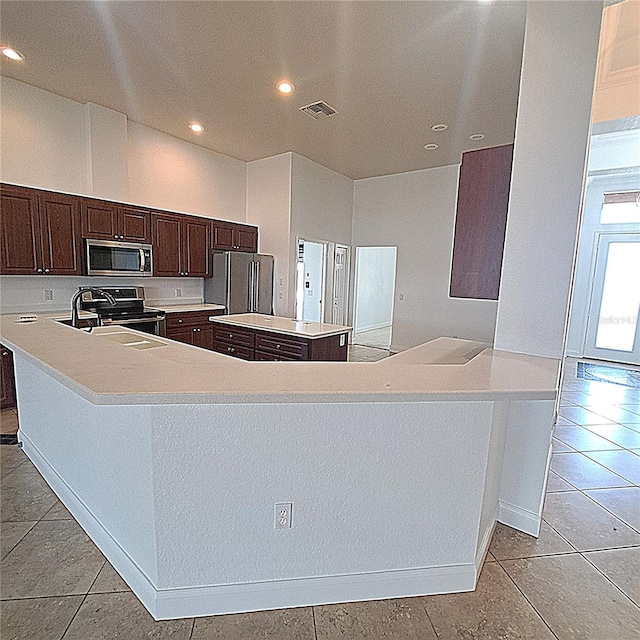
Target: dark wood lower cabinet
[(8, 382), (255, 344), (192, 327)]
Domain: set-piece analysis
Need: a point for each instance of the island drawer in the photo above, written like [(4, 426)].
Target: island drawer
[(273, 357), (297, 349), (175, 320), (246, 353), (234, 335)]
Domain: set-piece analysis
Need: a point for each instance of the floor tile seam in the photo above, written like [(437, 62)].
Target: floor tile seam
[(575, 549), (605, 437), (35, 522), (193, 628), (598, 463), (557, 437), (515, 584), (583, 554), (424, 606), (543, 555), (605, 467), (84, 599), (313, 617), (617, 517)]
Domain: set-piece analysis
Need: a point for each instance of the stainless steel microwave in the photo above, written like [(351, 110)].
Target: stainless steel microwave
[(108, 258)]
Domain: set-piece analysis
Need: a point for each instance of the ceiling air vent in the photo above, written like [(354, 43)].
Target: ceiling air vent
[(318, 110)]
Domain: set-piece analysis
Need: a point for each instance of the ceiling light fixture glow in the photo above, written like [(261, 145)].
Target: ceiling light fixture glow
[(440, 127), (285, 87), (10, 53), (196, 127), (477, 136), (430, 146)]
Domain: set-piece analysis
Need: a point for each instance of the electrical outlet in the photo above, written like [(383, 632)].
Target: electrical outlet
[(401, 296), (283, 515), (48, 294), (178, 293)]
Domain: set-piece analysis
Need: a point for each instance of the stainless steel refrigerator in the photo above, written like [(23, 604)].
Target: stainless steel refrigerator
[(242, 282)]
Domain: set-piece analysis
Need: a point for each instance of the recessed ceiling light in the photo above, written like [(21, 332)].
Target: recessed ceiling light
[(430, 146), (10, 53), (440, 127), (196, 127), (285, 87), (476, 136)]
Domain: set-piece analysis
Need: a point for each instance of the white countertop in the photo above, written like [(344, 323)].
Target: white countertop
[(285, 326), (185, 308), (106, 372)]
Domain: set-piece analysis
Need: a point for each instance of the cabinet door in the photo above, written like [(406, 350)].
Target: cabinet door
[(481, 219), (135, 224), (181, 334), (223, 236), (195, 234), (246, 239), (166, 245), (60, 231), (203, 336), (7, 382), (99, 220), (21, 252)]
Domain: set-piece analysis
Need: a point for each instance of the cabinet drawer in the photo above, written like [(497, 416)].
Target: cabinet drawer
[(273, 357), (188, 318), (234, 335), (285, 345), (246, 353)]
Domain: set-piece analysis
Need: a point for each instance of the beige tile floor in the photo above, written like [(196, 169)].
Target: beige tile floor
[(379, 338), (579, 580)]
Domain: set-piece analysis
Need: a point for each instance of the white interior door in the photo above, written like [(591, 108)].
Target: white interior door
[(613, 330), (340, 285)]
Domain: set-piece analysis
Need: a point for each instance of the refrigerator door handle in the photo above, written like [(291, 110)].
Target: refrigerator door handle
[(251, 288), (256, 285)]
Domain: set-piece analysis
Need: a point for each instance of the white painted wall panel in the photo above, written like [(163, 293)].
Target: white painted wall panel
[(416, 212)]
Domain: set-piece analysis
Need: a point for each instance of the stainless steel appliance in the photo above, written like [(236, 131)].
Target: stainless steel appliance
[(128, 309), (109, 258), (242, 282)]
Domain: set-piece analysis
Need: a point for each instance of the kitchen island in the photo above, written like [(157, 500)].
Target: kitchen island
[(173, 458), (255, 336)]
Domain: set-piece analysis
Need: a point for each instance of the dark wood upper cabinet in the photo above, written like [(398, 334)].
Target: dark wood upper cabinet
[(167, 245), (195, 247), (180, 245), (60, 232), (230, 236), (40, 233), (21, 251), (111, 221), (481, 218)]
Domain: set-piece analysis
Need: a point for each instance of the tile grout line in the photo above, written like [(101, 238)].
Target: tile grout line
[(313, 616), (193, 628), (64, 633), (424, 606), (546, 624)]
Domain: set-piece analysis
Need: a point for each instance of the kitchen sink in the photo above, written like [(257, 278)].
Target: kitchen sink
[(133, 341)]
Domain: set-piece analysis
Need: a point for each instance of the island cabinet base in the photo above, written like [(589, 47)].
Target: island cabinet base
[(255, 344)]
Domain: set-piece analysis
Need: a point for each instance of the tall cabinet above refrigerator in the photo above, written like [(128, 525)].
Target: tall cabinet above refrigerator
[(242, 282)]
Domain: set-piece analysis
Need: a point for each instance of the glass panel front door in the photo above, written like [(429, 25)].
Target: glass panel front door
[(613, 328)]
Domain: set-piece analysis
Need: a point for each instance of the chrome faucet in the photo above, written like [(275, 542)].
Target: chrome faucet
[(75, 301)]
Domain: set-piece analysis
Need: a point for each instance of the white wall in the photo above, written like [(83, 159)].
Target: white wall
[(43, 137), (375, 276), (416, 212), (168, 173), (552, 134), (269, 207)]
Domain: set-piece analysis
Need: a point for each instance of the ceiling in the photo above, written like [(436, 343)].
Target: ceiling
[(391, 69)]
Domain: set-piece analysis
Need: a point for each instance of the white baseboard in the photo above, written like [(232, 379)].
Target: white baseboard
[(483, 547), (131, 573), (259, 596), (519, 518), (372, 327), (165, 604)]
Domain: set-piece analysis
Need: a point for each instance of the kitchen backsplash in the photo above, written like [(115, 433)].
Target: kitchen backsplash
[(30, 294)]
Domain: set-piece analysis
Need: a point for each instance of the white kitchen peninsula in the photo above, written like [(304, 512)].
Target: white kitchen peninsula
[(173, 458)]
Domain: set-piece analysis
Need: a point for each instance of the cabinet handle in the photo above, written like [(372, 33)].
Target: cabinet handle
[(5, 353), (186, 273), (277, 346), (46, 270), (39, 270), (180, 321)]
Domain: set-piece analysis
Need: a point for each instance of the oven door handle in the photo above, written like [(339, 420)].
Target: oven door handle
[(110, 321)]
